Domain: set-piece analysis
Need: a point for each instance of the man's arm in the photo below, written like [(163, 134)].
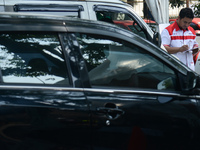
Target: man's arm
[(173, 50)]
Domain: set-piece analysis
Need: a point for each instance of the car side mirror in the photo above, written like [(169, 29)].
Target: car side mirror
[(190, 82)]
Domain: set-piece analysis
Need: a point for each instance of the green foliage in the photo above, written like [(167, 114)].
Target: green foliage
[(196, 8), (176, 3)]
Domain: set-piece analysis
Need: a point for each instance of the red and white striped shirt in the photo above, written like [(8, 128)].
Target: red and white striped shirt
[(173, 36)]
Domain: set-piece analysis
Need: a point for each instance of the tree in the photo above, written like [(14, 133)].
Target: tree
[(196, 8), (176, 3)]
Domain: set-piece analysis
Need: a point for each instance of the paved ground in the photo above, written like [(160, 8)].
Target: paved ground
[(198, 39)]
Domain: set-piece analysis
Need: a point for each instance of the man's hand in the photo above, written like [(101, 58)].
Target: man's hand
[(183, 48), (195, 51)]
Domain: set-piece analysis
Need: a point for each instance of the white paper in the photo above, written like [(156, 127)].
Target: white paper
[(192, 49)]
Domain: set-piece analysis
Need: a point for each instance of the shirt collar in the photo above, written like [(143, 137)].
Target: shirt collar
[(177, 27)]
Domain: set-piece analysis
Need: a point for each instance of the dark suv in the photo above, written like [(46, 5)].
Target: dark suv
[(75, 84)]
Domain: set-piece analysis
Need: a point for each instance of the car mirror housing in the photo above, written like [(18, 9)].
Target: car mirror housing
[(190, 82)]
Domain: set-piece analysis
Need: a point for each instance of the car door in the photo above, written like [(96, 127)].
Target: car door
[(136, 98), (40, 107)]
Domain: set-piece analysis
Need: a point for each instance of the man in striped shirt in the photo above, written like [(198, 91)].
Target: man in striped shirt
[(179, 37)]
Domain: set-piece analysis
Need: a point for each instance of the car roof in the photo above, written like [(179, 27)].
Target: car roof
[(45, 22), (11, 21), (149, 21), (125, 22), (107, 1), (79, 0), (196, 20)]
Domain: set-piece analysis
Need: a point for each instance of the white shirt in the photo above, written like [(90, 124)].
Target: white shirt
[(173, 36)]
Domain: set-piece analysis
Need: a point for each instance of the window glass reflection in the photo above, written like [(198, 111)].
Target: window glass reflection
[(122, 20), (32, 58), (115, 63)]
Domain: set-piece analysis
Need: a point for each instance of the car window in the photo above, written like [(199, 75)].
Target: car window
[(116, 63), (120, 19), (32, 58), (153, 26)]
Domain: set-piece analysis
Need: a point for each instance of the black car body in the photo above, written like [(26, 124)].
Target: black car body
[(76, 84)]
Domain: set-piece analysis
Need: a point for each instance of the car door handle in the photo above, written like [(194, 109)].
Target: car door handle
[(111, 113)]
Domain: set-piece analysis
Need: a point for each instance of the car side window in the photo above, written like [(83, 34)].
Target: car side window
[(37, 58), (120, 19), (116, 63)]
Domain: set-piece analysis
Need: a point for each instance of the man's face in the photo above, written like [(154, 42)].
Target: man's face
[(184, 22)]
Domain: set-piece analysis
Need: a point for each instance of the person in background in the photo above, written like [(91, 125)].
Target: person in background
[(178, 38)]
